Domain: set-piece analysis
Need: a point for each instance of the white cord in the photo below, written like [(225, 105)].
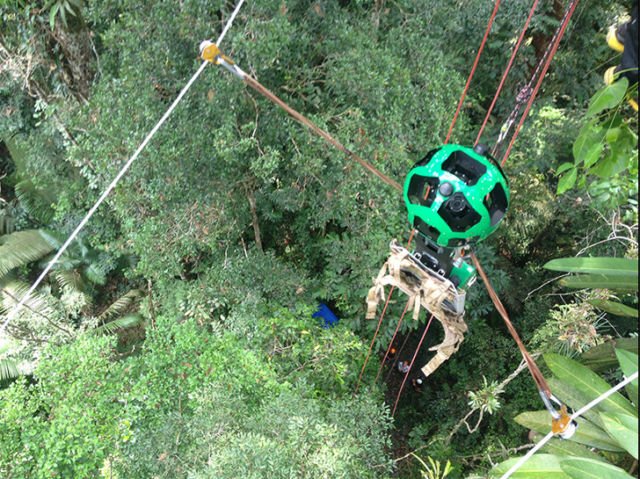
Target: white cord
[(229, 22), (115, 181), (576, 414)]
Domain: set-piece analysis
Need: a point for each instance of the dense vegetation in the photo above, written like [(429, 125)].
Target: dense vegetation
[(175, 337)]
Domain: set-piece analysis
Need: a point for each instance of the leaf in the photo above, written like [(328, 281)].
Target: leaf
[(562, 447), (600, 281), (588, 382), (603, 356), (613, 163), (587, 433), (564, 167), (608, 97), (614, 307), (596, 265), (581, 468), (624, 429), (629, 365), (21, 248), (52, 15), (8, 370), (539, 466), (588, 145), (120, 323), (567, 180)]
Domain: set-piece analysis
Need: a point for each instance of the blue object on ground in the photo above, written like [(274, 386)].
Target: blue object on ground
[(327, 315)]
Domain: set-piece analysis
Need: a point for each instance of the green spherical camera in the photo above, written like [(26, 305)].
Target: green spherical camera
[(456, 195)]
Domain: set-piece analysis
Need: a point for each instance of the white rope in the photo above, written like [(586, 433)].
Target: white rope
[(229, 22), (576, 414), (115, 181)]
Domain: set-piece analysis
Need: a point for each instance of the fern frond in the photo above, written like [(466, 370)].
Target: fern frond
[(114, 326), (21, 248), (36, 202), (8, 370), (120, 305)]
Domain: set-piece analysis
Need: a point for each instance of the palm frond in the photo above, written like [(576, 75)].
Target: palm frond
[(120, 305), (53, 238), (112, 327), (95, 273), (13, 291), (21, 248), (70, 279), (36, 202), (8, 370)]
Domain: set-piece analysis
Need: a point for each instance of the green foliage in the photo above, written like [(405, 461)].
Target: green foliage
[(195, 401), (571, 329), (485, 399), (606, 148), (614, 308), (233, 378)]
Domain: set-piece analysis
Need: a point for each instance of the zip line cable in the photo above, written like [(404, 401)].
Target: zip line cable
[(451, 126), (575, 415), (473, 70), (507, 69), (117, 178), (554, 48), (531, 364), (258, 87), (526, 94), (539, 74), (227, 26)]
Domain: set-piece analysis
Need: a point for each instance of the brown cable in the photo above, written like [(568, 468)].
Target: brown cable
[(257, 86), (393, 338), (531, 364)]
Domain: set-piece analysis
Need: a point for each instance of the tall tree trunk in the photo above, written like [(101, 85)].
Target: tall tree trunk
[(541, 40), (254, 219)]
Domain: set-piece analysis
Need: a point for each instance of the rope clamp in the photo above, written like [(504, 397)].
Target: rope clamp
[(210, 52), (524, 94), (562, 424)]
